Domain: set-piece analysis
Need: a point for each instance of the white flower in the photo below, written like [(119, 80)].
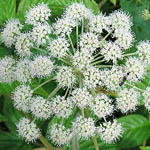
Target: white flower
[(38, 14), (146, 95), (40, 34), (65, 76), (23, 45), (98, 23), (120, 19), (7, 69), (60, 135), (91, 77), (27, 129), (82, 60), (62, 107), (78, 12), (111, 51), (127, 100), (81, 97), (59, 47), (89, 42), (22, 97), (41, 66), (135, 69), (110, 132), (112, 78), (11, 31), (84, 127), (22, 72), (143, 50), (41, 108), (63, 26), (102, 106), (124, 38)]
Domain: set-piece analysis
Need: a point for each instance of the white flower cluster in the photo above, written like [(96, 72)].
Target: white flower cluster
[(60, 135), (28, 130), (7, 69), (86, 55), (84, 127), (110, 131)]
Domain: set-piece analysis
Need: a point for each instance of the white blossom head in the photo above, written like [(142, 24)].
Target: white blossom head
[(91, 77), (81, 97), (84, 127), (38, 14), (22, 71), (127, 100), (40, 34), (143, 50), (124, 38), (146, 100), (22, 97), (64, 26), (65, 76), (112, 78), (27, 130), (59, 47), (62, 107), (11, 31), (110, 132), (89, 42), (78, 12), (82, 59), (101, 106), (41, 108), (60, 135), (99, 23), (135, 69), (41, 66), (111, 51), (23, 45), (7, 69), (120, 19)]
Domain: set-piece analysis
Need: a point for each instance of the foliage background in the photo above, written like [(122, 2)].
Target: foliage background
[(136, 125)]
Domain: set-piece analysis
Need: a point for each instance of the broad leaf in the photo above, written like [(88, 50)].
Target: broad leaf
[(7, 10), (140, 27), (12, 142)]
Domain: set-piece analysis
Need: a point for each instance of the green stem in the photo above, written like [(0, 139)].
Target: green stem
[(102, 3), (93, 92), (66, 92), (83, 112), (130, 54), (45, 143), (42, 84), (54, 92), (134, 87), (82, 29), (95, 143), (97, 62), (77, 33), (97, 58), (71, 43), (103, 66), (41, 50), (65, 61)]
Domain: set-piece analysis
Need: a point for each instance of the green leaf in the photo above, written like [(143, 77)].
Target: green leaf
[(140, 27), (57, 6), (114, 2), (145, 148), (9, 141), (136, 130), (6, 89), (7, 10), (4, 51), (13, 116), (2, 118)]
